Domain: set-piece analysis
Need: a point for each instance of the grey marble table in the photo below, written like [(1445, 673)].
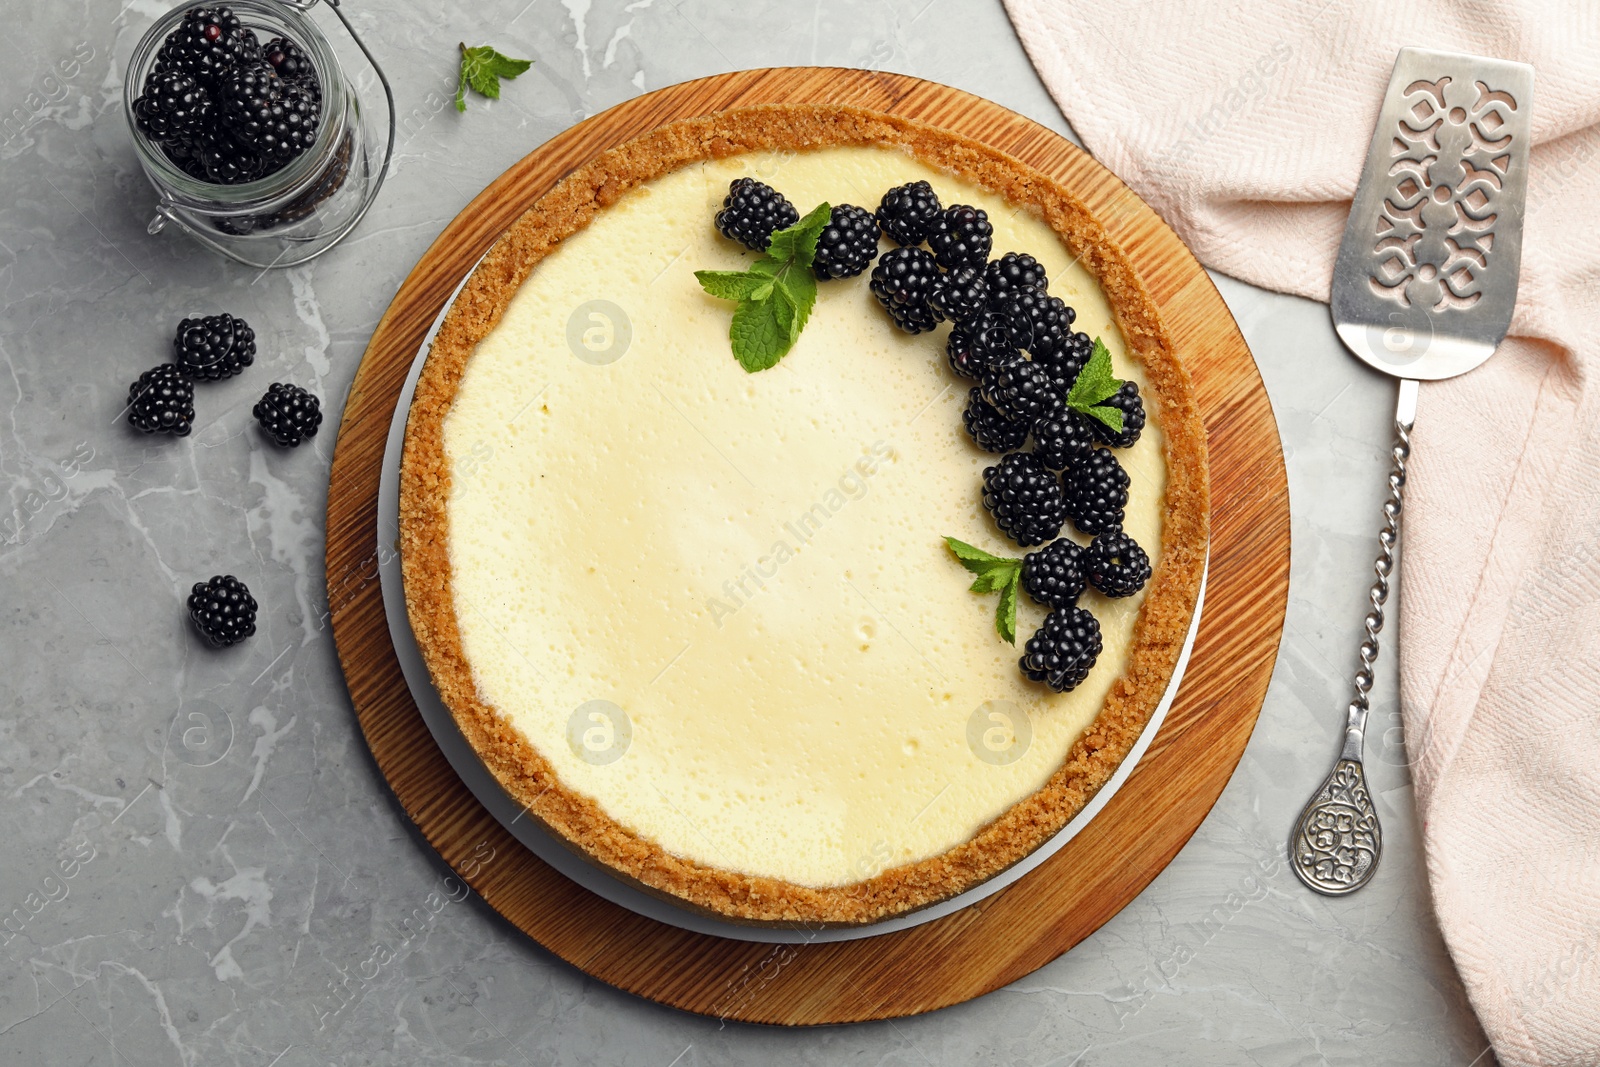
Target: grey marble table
[(252, 894)]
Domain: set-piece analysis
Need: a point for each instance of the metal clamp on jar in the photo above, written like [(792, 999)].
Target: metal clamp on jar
[(306, 196)]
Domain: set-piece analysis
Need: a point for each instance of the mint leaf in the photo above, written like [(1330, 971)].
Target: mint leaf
[(788, 316), (1095, 382), (760, 337), (973, 558), (1005, 612), (996, 574), (990, 580), (799, 242), (775, 295), (1094, 386), (482, 68), (799, 285), (730, 284), (1111, 416)]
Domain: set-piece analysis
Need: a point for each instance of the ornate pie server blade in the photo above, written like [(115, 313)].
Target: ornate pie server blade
[(1427, 271), (1423, 289)]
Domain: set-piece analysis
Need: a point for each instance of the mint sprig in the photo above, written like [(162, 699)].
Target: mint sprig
[(1094, 386), (482, 68), (996, 574), (775, 296)]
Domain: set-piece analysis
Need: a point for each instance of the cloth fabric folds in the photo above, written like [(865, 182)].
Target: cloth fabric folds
[(1246, 126)]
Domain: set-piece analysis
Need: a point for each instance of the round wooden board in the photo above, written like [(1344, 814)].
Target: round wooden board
[(1005, 936)]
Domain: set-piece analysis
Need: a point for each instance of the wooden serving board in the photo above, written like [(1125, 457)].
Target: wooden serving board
[(975, 950)]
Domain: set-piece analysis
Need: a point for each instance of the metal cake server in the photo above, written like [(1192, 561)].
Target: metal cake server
[(1423, 289)]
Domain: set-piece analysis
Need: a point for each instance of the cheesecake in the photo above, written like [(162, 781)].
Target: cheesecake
[(702, 623)]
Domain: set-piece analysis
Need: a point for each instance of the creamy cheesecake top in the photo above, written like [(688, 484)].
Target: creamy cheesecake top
[(719, 603)]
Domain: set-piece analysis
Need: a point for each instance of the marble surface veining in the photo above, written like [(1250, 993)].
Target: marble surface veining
[(201, 864)]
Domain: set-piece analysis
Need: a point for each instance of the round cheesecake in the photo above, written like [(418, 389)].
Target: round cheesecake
[(703, 623)]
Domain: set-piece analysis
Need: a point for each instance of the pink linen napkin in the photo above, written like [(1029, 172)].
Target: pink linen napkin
[(1246, 127)]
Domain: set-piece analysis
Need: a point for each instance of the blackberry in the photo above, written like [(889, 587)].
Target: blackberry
[(290, 62), (1062, 651), (752, 211), (1013, 271), (1053, 575), (295, 117), (162, 401), (1021, 390), (288, 414), (1064, 357), (1062, 439), (187, 159), (207, 44), (959, 296), (172, 108), (1037, 319), (990, 430), (1096, 492), (217, 346), (902, 281), (1025, 499), (1115, 564), (961, 236), (975, 346), (1125, 400), (906, 212), (848, 244), (224, 161), (276, 120), (222, 610)]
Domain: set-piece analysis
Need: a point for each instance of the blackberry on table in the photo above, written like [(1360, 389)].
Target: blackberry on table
[(1053, 575), (960, 295), (1021, 390), (752, 211), (1115, 564), (903, 281), (172, 107), (1063, 357), (1062, 651), (162, 401), (213, 347), (222, 610), (1096, 492), (1013, 271), (990, 430), (288, 414), (906, 212), (1025, 499), (848, 245), (961, 236), (979, 344), (1062, 439), (1127, 401), (206, 44)]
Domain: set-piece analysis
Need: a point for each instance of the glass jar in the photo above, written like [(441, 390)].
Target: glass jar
[(299, 211)]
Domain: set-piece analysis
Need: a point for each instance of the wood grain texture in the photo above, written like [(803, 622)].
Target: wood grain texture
[(979, 948)]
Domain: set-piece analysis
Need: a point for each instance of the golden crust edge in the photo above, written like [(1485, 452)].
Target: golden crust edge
[(578, 820)]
